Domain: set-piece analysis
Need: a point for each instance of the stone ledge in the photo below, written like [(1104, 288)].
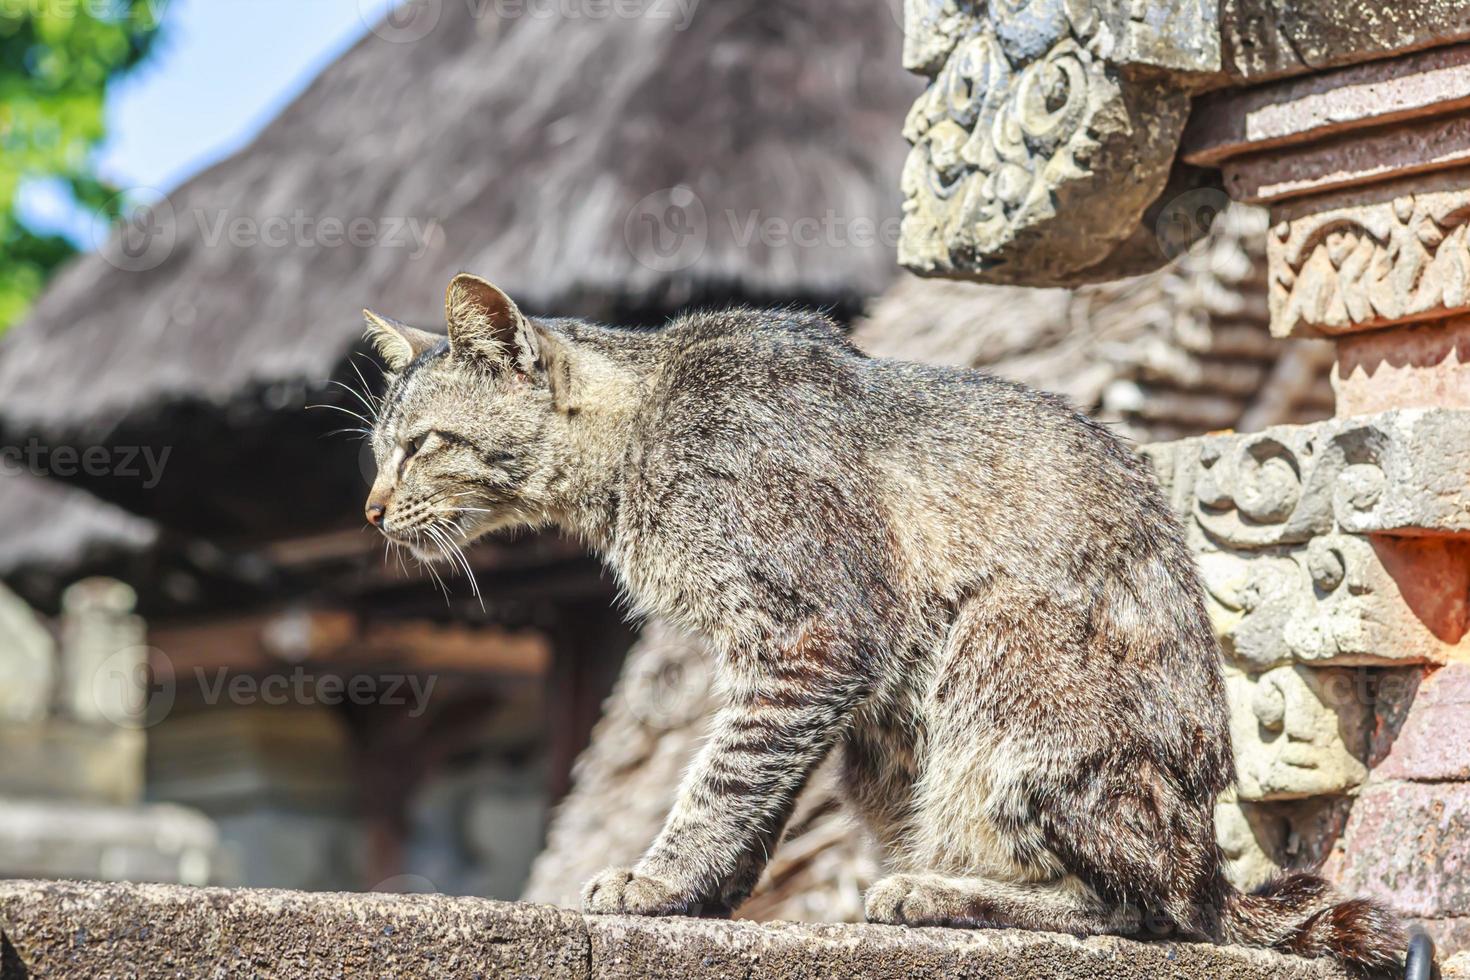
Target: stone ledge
[(71, 929)]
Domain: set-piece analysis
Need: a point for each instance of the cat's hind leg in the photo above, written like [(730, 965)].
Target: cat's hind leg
[(1066, 905)]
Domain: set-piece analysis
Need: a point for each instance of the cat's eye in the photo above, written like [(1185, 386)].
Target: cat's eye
[(411, 449)]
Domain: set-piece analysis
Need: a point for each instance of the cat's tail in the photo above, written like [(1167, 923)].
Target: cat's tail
[(1299, 913)]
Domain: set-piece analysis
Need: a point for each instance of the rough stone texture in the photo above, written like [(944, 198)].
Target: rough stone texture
[(1449, 935), (635, 949), (1297, 731), (1423, 365), (1367, 258), (1297, 110), (1405, 844), (81, 930), (1400, 473), (152, 931), (1457, 967), (1349, 159), (1259, 840), (1265, 38), (1432, 742), (1037, 147)]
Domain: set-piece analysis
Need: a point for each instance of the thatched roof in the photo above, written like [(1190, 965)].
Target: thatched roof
[(62, 535), (519, 148)]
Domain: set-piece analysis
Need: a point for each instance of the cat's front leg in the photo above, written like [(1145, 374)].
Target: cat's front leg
[(738, 795)]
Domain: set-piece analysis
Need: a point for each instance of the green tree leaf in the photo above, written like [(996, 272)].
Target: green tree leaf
[(57, 58)]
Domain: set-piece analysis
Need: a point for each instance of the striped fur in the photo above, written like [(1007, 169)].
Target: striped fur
[(974, 594)]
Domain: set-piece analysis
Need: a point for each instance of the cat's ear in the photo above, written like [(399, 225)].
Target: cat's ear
[(397, 344), (556, 361), (486, 326)]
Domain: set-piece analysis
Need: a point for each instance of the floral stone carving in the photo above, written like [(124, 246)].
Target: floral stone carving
[(1035, 153), (1365, 265), (1265, 515)]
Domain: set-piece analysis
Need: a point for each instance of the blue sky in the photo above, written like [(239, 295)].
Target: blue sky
[(222, 70)]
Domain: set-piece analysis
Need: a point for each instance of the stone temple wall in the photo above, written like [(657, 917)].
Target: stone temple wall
[(1067, 141)]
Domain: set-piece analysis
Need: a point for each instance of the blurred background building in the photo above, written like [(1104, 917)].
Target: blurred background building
[(212, 672)]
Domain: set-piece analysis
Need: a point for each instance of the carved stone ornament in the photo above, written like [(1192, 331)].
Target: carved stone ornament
[(1297, 732), (1265, 515), (1366, 265), (1401, 472), (1035, 154)]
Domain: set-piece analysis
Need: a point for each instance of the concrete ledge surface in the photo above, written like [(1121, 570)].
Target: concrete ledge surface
[(95, 931)]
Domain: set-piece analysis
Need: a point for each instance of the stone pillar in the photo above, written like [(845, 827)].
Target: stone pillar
[(1336, 556), (72, 746), (1366, 172)]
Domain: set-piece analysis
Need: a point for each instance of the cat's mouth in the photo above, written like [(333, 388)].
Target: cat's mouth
[(441, 540)]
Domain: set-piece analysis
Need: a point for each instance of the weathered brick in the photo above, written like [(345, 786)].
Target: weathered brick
[(1405, 844), (1434, 740)]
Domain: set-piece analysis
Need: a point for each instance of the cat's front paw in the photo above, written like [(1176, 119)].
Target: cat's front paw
[(916, 900), (622, 890)]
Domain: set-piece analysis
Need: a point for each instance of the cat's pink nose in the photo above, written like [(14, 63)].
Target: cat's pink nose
[(375, 514)]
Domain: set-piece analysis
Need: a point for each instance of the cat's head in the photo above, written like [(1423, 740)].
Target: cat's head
[(465, 441)]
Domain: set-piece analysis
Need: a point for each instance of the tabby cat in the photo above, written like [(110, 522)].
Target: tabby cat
[(975, 595)]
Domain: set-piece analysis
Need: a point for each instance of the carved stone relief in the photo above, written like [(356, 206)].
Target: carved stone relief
[(1265, 515), (1297, 731), (1034, 153), (1365, 265), (1401, 472)]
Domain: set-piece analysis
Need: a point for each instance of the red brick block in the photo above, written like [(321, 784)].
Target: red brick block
[(1434, 742), (1408, 844)]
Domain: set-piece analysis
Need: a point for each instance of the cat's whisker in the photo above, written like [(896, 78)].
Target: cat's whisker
[(347, 411), (377, 400), (455, 554), (371, 408)]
